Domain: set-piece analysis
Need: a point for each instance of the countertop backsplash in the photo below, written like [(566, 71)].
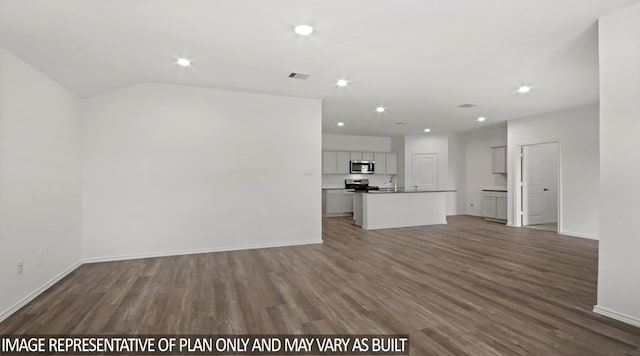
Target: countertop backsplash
[(337, 180)]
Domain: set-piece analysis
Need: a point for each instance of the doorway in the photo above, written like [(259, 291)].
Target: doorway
[(425, 171), (540, 197)]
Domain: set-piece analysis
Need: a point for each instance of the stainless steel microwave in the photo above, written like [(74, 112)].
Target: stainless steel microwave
[(362, 167)]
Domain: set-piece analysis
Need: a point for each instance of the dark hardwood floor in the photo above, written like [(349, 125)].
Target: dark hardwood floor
[(467, 288)]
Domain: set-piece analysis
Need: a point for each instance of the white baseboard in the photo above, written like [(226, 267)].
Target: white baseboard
[(468, 213), (576, 234), (616, 315), (5, 314), (198, 251)]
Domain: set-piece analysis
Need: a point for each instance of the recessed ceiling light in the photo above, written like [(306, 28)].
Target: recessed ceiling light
[(341, 124), (183, 62), (427, 130), (342, 83), (524, 89), (380, 109), (303, 30), (482, 119)]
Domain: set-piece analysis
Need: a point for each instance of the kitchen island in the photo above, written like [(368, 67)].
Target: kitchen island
[(384, 209)]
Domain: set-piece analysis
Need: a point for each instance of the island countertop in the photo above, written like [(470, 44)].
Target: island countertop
[(392, 191), (379, 209)]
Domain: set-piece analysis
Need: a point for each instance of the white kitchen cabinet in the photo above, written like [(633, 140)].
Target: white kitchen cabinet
[(344, 163), (494, 205), (499, 159), (367, 156), (329, 162), (391, 163), (489, 207), (380, 163), (333, 202), (339, 162), (347, 202), (501, 208), (337, 202)]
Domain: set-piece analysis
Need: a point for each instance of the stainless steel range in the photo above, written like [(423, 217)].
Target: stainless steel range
[(359, 185)]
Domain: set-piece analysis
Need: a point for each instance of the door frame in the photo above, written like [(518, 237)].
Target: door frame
[(413, 168), (518, 200)]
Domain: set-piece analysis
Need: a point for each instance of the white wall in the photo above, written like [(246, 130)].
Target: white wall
[(457, 173), (397, 146), (39, 181), (619, 265), (576, 131), (331, 142), (170, 169), (479, 164)]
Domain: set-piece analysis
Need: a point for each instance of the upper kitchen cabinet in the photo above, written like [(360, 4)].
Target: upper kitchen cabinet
[(344, 162), (329, 162), (335, 162), (391, 163), (499, 159), (380, 163)]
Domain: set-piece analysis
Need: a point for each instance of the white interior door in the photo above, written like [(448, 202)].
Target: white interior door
[(539, 184), (425, 171)]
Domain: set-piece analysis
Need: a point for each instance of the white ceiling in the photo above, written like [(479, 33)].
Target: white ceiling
[(419, 58)]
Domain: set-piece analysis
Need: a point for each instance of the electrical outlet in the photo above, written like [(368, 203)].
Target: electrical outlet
[(20, 267), (40, 258)]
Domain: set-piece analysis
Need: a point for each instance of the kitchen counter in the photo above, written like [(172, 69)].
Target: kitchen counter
[(390, 209), (392, 191), (495, 189)]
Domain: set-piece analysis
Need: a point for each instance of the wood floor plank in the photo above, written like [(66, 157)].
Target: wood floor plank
[(466, 288)]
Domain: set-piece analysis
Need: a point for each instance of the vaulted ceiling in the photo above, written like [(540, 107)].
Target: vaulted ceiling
[(420, 59)]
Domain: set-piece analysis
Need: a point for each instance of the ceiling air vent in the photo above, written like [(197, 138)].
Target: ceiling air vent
[(295, 75), (400, 123), (467, 106)]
